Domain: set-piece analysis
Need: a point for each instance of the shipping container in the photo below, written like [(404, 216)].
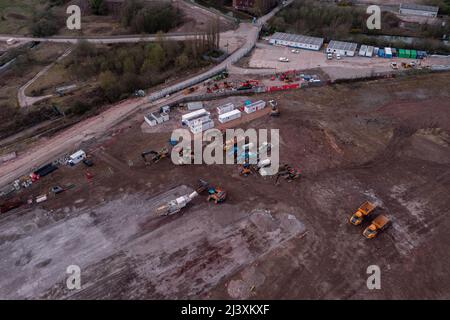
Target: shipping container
[(413, 54), (407, 53), (258, 105), (362, 51), (369, 52), (421, 54), (232, 115), (394, 52), (150, 120), (225, 108), (387, 52), (381, 53), (375, 51)]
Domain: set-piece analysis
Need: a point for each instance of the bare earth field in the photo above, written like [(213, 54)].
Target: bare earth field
[(386, 141)]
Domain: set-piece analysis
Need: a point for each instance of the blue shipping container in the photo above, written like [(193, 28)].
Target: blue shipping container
[(381, 53)]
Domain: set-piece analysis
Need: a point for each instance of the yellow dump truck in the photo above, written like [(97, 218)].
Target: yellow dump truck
[(363, 211), (378, 224)]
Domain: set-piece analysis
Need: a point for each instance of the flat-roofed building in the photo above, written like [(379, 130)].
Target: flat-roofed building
[(341, 47), (296, 41)]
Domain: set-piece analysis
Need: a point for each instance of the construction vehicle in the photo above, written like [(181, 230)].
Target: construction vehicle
[(221, 76), (190, 90), (408, 65), (163, 153), (217, 195), (275, 111), (287, 172), (363, 211), (378, 224), (175, 206)]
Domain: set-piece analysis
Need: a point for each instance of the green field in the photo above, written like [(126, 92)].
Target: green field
[(15, 15)]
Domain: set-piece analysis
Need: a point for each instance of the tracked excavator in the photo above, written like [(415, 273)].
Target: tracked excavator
[(156, 156)]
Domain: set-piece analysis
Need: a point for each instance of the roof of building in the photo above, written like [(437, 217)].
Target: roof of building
[(419, 7), (340, 45), (297, 38)]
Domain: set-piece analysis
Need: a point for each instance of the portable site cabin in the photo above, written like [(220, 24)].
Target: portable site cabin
[(375, 51), (407, 53), (413, 54), (229, 116), (200, 127), (381, 53), (362, 51), (258, 105), (150, 120), (296, 41), (77, 157), (195, 105), (388, 53), (421, 54), (185, 118), (369, 51), (225, 108), (394, 52), (342, 48)]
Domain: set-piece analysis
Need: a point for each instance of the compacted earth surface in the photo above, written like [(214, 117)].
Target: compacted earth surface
[(385, 141)]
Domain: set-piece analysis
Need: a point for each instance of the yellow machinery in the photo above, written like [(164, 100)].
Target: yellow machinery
[(363, 211), (378, 224)]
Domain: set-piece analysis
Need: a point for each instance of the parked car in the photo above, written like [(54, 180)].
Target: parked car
[(394, 65), (338, 56), (329, 56), (283, 59), (88, 162), (295, 51)]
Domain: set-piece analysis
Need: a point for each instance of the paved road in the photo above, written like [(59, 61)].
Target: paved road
[(98, 125)]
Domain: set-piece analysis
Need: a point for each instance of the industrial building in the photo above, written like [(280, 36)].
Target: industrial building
[(343, 48), (418, 10), (296, 41)]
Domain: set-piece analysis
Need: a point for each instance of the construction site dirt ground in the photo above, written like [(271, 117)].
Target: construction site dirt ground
[(386, 141)]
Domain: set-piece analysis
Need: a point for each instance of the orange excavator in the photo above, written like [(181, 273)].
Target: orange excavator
[(363, 211)]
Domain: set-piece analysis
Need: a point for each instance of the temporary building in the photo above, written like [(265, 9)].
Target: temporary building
[(343, 48), (413, 54), (388, 52), (258, 105), (200, 127), (362, 50), (229, 116), (381, 53), (369, 51), (195, 105), (296, 41), (185, 118), (225, 108), (394, 52)]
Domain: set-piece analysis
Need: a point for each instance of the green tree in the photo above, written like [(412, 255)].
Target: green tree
[(98, 7)]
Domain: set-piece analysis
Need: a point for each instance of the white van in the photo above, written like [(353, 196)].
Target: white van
[(77, 157)]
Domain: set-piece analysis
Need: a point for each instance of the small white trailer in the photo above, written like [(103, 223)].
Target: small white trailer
[(77, 157), (229, 116), (225, 108), (255, 106)]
